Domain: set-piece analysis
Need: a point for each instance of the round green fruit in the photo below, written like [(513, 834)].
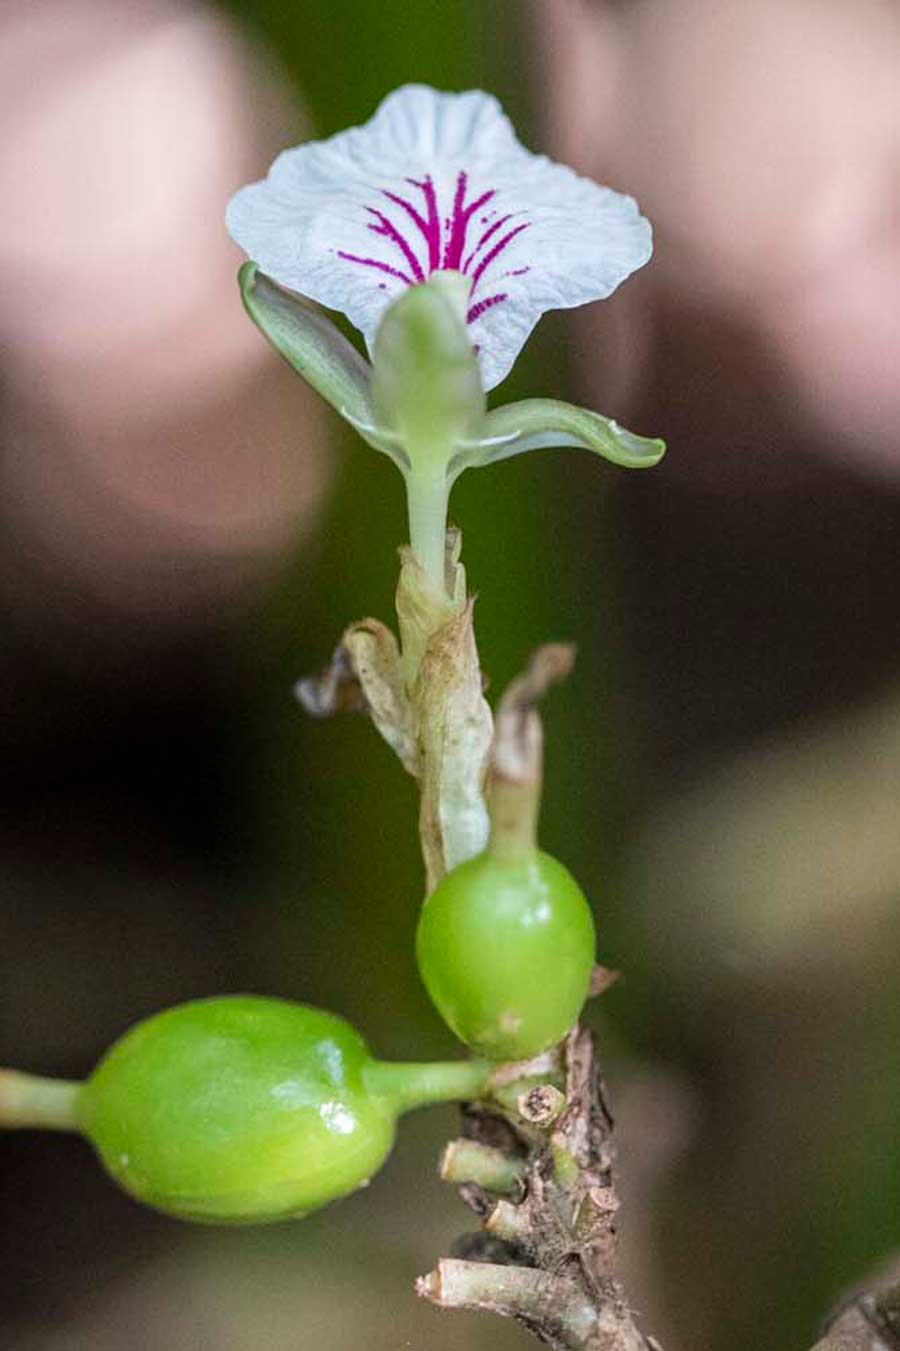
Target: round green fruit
[(237, 1109), (246, 1110), (505, 947)]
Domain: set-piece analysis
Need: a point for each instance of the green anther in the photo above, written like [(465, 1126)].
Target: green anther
[(426, 387)]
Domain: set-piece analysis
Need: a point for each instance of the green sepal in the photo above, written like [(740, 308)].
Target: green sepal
[(541, 424), (317, 350)]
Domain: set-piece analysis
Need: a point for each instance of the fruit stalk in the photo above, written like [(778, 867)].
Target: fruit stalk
[(30, 1101), (410, 1085)]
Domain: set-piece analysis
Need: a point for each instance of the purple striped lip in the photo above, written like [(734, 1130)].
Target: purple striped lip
[(422, 241)]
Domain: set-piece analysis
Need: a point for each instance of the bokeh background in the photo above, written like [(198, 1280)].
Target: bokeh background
[(184, 531)]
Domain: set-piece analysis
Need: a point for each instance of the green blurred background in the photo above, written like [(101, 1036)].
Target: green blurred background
[(185, 532)]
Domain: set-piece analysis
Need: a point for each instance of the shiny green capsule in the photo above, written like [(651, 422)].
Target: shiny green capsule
[(505, 947), (238, 1110)]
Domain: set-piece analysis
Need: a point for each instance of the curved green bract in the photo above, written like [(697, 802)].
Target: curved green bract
[(505, 949), (542, 424), (317, 350), (237, 1110)]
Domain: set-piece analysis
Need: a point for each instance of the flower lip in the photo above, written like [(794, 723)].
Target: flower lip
[(438, 181)]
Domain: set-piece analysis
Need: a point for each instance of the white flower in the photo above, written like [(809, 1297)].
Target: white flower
[(444, 241), (439, 181)]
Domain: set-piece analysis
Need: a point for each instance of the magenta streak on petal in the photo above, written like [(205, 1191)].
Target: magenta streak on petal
[(376, 263), (430, 228), (389, 230), (459, 221), (417, 220), (488, 234), (518, 272), (476, 311), (495, 252)]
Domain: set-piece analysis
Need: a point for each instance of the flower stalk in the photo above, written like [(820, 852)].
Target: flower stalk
[(428, 496)]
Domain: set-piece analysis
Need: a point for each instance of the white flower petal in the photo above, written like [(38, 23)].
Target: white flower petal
[(436, 181)]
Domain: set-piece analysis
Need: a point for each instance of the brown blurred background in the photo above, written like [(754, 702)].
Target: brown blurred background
[(185, 530)]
